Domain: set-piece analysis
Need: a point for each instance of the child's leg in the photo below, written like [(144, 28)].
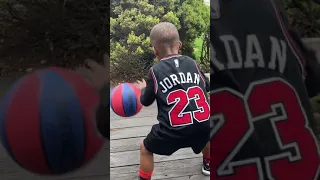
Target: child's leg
[(206, 160), (146, 163), (206, 150), (158, 141)]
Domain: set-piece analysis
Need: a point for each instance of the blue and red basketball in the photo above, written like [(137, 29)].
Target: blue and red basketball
[(125, 100), (47, 122)]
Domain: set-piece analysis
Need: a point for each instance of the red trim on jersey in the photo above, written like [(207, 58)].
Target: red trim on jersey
[(170, 56), (203, 79), (292, 44), (155, 83)]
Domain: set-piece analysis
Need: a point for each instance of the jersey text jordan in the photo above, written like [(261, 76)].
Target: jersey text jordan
[(253, 56)]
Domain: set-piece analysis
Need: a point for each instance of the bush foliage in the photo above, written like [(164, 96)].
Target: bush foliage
[(53, 32), (304, 16), (66, 32), (131, 22)]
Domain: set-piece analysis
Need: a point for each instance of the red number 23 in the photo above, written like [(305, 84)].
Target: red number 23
[(181, 99), (237, 113)]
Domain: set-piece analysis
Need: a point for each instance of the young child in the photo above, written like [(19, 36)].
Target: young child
[(180, 89)]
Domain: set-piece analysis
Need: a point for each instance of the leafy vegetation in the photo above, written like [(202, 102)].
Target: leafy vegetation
[(304, 16), (52, 32), (131, 22), (65, 33), (197, 47)]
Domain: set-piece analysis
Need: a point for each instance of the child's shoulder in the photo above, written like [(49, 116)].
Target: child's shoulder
[(187, 58)]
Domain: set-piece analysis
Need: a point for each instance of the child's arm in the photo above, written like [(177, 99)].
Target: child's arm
[(207, 81), (311, 64), (148, 94), (103, 112)]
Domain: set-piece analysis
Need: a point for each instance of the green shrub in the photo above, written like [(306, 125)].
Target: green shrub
[(131, 22), (304, 16), (57, 32)]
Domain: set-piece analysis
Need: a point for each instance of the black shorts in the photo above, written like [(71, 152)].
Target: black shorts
[(163, 142)]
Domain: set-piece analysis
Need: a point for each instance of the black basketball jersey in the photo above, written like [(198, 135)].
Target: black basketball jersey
[(262, 118), (180, 89)]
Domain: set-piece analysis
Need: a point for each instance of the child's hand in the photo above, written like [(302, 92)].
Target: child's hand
[(95, 74), (140, 84), (317, 123), (315, 102)]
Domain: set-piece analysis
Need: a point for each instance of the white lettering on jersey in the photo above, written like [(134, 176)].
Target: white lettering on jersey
[(168, 83), (253, 56)]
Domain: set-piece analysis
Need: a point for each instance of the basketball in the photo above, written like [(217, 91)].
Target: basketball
[(47, 123), (125, 100)]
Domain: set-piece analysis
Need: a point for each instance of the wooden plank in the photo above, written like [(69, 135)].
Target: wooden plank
[(128, 158), (122, 145), (95, 177), (98, 167), (133, 122), (129, 132), (152, 115), (142, 114), (163, 170), (150, 111), (192, 177)]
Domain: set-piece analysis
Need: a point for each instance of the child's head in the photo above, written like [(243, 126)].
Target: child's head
[(165, 39)]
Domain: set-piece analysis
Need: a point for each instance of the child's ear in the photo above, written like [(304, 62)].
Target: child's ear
[(155, 52)]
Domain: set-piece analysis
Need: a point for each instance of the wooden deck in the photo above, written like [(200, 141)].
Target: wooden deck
[(126, 135), (98, 169)]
